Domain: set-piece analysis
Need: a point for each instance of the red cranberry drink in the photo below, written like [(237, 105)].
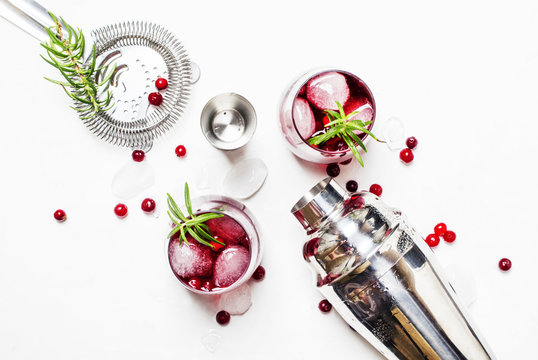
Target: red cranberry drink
[(224, 263), (303, 113)]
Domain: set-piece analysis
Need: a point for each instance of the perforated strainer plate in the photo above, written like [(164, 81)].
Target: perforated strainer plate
[(142, 53)]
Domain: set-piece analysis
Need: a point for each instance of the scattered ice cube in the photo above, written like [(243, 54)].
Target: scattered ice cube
[(303, 118), (132, 179), (324, 90), (236, 302), (463, 282), (211, 341), (228, 230), (393, 133), (230, 265), (245, 179), (190, 260)]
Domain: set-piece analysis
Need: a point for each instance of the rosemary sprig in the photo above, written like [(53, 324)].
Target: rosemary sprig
[(192, 224), (65, 51), (340, 125)]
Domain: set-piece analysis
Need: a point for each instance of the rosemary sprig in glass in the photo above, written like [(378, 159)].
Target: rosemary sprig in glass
[(191, 224), (65, 51), (340, 125)]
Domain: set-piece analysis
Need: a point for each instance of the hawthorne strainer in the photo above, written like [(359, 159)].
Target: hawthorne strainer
[(142, 52)]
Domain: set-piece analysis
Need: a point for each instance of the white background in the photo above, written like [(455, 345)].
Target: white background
[(461, 75)]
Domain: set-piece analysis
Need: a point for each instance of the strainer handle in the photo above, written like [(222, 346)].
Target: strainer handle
[(27, 15)]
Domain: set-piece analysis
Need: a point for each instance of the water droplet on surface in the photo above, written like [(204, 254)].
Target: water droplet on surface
[(211, 341), (245, 178), (132, 179), (236, 302), (393, 133)]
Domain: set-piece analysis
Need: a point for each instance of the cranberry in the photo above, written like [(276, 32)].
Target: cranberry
[(208, 285), (411, 142), (60, 215), (449, 236), (181, 151), (325, 306), (505, 264), (348, 161), (440, 229), (310, 248), (406, 155), (148, 205), (138, 155), (120, 210), (216, 245), (333, 170), (432, 240), (325, 120), (352, 186), (223, 317), (161, 83), (155, 98), (334, 144), (376, 189), (195, 283), (259, 273)]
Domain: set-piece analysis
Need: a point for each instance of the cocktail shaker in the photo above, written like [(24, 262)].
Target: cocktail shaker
[(382, 278)]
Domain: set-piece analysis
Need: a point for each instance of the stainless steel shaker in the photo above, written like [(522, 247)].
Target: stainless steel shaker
[(381, 277)]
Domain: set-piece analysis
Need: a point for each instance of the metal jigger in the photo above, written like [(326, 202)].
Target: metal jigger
[(228, 121), (382, 278)]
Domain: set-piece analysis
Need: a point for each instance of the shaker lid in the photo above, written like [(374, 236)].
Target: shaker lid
[(318, 203)]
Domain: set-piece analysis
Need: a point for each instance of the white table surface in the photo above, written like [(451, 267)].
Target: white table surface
[(461, 75)]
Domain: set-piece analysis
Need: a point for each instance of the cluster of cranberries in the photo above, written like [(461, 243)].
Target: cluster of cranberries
[(223, 317), (155, 98), (440, 230), (406, 155)]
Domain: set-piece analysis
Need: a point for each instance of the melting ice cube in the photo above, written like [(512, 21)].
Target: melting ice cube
[(230, 265), (245, 179), (393, 133), (236, 302), (211, 340), (303, 118), (132, 179), (188, 260), (363, 106), (324, 90)]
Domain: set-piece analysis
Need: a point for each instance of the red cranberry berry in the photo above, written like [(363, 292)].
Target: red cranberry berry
[(120, 210), (161, 83), (348, 161), (60, 215), (155, 98), (411, 142), (148, 205), (181, 151), (440, 229), (432, 240), (406, 155), (138, 155), (223, 317), (208, 285), (216, 245), (195, 283), (333, 170), (376, 189), (259, 273), (352, 186), (449, 236), (325, 306), (505, 264)]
